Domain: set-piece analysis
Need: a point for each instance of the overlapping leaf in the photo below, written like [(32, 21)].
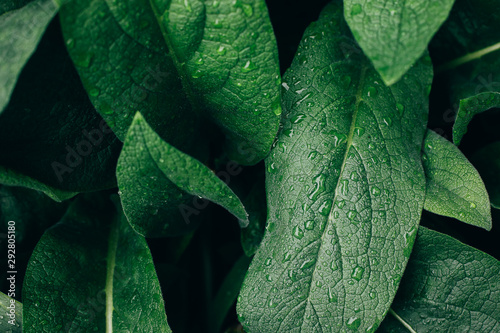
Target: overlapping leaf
[(157, 184), (345, 190), (22, 25), (454, 187), (52, 138), (176, 61), (448, 287), (394, 34), (92, 272)]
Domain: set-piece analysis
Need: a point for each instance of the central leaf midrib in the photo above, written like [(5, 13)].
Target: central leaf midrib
[(348, 146), (110, 269), (179, 66)]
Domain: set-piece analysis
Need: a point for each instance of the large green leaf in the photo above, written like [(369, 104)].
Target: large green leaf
[(345, 190), (11, 319), (487, 162), (177, 60), (21, 28), (92, 272), (52, 139), (394, 34), (454, 187), (448, 287), (157, 182)]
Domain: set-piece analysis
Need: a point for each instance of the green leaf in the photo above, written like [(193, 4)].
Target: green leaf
[(448, 287), (21, 29), (454, 187), (228, 291), (157, 181), (52, 138), (471, 106), (394, 34), (345, 190), (217, 61), (122, 76), (487, 162), (13, 178), (92, 272), (11, 320)]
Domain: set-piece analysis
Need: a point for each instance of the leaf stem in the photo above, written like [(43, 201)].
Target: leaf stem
[(111, 262), (467, 58), (402, 321)]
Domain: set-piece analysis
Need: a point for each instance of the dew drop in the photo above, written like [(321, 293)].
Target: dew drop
[(83, 60), (332, 298), (268, 261), (70, 43), (359, 131), (272, 303), (357, 273), (94, 92), (372, 91), (324, 209), (221, 50), (312, 155), (354, 176), (309, 225), (472, 205), (353, 323), (297, 118), (401, 108), (375, 191), (217, 23), (351, 215), (356, 9), (249, 66), (387, 121), (298, 233)]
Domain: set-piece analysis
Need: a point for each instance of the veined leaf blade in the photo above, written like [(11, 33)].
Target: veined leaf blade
[(454, 187), (21, 30), (448, 287), (171, 179), (345, 190), (394, 34), (92, 275)]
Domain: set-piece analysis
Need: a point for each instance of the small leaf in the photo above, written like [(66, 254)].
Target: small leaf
[(454, 187), (92, 272), (13, 178), (448, 287), (154, 179), (471, 106), (487, 162), (394, 34), (345, 190), (21, 29), (11, 318)]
